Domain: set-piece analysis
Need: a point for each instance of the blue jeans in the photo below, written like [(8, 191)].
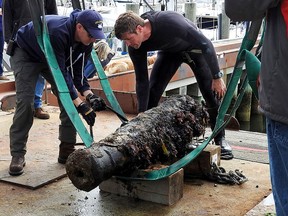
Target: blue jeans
[(277, 134), (89, 70), (1, 50), (39, 92)]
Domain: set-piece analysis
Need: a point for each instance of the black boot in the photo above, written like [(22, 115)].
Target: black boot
[(65, 149), (226, 150), (17, 165)]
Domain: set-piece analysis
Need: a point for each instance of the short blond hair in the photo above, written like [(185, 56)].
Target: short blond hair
[(127, 23)]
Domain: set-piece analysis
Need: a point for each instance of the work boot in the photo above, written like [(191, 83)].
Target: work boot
[(41, 114), (226, 150), (65, 149), (16, 166)]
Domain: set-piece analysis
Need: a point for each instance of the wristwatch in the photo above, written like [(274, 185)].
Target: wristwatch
[(218, 75)]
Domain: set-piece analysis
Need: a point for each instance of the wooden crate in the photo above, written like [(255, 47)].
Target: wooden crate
[(202, 164), (165, 191)]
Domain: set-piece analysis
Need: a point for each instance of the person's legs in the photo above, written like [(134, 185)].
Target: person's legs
[(2, 77), (39, 92), (162, 72), (67, 136), (1, 51), (278, 153), (26, 74), (67, 131), (39, 112), (204, 81)]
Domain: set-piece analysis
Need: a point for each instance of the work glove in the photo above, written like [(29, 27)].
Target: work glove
[(103, 50), (95, 102), (87, 112)]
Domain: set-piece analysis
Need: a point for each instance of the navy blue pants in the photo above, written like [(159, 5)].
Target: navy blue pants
[(1, 49)]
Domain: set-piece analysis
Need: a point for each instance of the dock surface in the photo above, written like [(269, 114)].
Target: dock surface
[(60, 197)]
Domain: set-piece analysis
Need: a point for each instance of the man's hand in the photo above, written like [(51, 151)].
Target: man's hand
[(219, 87), (96, 103), (102, 49), (88, 114)]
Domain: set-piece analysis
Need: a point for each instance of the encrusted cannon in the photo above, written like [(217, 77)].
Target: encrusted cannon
[(159, 135)]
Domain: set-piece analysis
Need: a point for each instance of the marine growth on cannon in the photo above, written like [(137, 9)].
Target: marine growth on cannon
[(159, 135)]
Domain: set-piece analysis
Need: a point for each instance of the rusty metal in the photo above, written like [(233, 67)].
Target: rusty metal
[(219, 175)]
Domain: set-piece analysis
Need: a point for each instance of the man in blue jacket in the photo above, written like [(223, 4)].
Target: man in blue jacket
[(71, 38)]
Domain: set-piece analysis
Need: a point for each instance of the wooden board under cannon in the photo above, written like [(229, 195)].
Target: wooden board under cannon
[(159, 135)]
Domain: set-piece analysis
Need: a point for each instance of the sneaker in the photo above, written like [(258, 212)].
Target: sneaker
[(41, 114), (65, 149), (4, 77), (17, 165), (226, 150)]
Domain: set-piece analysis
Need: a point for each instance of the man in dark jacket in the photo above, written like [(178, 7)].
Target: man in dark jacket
[(71, 38), (16, 14), (177, 40), (273, 85)]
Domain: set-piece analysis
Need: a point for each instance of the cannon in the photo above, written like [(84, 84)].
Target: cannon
[(159, 135)]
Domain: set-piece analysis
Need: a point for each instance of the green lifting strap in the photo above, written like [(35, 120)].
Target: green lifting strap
[(253, 65), (247, 44), (38, 17), (106, 85)]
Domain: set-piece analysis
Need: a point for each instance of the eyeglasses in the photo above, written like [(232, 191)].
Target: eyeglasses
[(89, 35)]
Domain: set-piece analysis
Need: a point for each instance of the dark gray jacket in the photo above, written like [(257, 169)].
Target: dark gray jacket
[(16, 14), (274, 71)]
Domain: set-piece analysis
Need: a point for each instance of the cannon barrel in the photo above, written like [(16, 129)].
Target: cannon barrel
[(159, 135)]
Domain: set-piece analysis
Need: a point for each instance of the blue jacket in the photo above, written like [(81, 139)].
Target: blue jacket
[(70, 54)]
